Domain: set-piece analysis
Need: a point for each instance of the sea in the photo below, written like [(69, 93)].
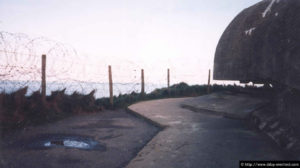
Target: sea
[(102, 89)]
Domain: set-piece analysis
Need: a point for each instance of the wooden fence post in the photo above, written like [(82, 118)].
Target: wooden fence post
[(208, 83), (43, 86), (110, 86), (168, 78), (142, 82)]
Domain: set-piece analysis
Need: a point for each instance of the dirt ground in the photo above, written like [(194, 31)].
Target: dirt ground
[(119, 136)]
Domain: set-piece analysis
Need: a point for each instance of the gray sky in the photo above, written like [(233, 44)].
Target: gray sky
[(150, 34)]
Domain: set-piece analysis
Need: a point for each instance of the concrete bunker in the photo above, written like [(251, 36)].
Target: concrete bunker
[(261, 45)]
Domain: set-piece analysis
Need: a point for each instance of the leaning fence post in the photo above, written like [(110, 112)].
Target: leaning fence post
[(208, 83), (43, 86), (142, 83), (110, 86)]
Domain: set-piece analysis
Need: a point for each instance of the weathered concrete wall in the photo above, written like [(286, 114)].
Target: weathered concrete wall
[(280, 120), (262, 44)]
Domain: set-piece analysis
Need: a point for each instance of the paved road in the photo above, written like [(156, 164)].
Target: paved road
[(195, 139), (227, 104), (121, 134)]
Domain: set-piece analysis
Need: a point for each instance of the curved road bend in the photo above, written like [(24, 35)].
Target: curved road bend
[(193, 139)]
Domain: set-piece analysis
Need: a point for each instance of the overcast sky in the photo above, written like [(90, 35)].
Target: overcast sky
[(150, 34)]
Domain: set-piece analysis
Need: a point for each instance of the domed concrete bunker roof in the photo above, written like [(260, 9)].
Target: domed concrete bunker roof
[(262, 45)]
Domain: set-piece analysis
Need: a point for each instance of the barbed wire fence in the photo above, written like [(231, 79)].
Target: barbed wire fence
[(20, 66)]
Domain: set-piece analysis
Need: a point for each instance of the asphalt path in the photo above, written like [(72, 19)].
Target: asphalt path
[(118, 135), (199, 139)]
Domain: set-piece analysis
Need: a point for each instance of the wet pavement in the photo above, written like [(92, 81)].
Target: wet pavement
[(227, 104), (48, 141), (105, 139), (153, 134), (200, 139)]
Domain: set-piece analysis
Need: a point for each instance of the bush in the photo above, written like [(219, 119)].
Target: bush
[(17, 110)]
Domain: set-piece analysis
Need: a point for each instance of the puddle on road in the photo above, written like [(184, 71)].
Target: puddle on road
[(68, 143), (65, 141)]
